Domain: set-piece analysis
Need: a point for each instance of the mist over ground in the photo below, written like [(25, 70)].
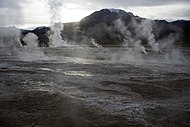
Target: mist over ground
[(137, 39)]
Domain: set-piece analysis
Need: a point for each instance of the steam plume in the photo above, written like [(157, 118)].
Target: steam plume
[(144, 29), (129, 41), (9, 37), (55, 7), (95, 43), (31, 40)]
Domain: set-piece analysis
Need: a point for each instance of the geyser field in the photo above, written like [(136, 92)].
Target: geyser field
[(74, 76), (64, 90)]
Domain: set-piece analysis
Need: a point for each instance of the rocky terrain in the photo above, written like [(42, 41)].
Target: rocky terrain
[(67, 90)]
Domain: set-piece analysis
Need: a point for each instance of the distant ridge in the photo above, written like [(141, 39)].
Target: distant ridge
[(103, 27)]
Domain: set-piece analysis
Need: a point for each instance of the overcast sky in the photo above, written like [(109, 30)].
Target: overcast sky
[(27, 13)]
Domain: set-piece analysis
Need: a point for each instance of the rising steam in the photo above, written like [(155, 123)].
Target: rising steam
[(146, 31), (31, 40), (95, 43), (55, 7), (134, 48), (10, 37), (129, 41)]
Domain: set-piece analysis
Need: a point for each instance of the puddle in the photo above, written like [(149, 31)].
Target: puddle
[(78, 73)]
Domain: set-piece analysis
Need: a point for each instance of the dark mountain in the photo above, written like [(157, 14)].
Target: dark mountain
[(106, 16), (116, 27), (41, 32), (185, 26), (101, 26)]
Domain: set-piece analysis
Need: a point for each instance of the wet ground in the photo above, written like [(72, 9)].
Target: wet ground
[(93, 91)]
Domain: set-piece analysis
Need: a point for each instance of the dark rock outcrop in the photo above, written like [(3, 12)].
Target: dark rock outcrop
[(41, 32)]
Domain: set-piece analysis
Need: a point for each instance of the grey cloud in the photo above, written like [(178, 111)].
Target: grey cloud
[(11, 4), (183, 12), (11, 12), (150, 2), (124, 3)]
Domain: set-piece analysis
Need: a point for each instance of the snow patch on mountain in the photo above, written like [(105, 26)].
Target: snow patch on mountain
[(114, 10)]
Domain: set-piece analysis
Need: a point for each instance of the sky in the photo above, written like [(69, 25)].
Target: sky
[(32, 13)]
